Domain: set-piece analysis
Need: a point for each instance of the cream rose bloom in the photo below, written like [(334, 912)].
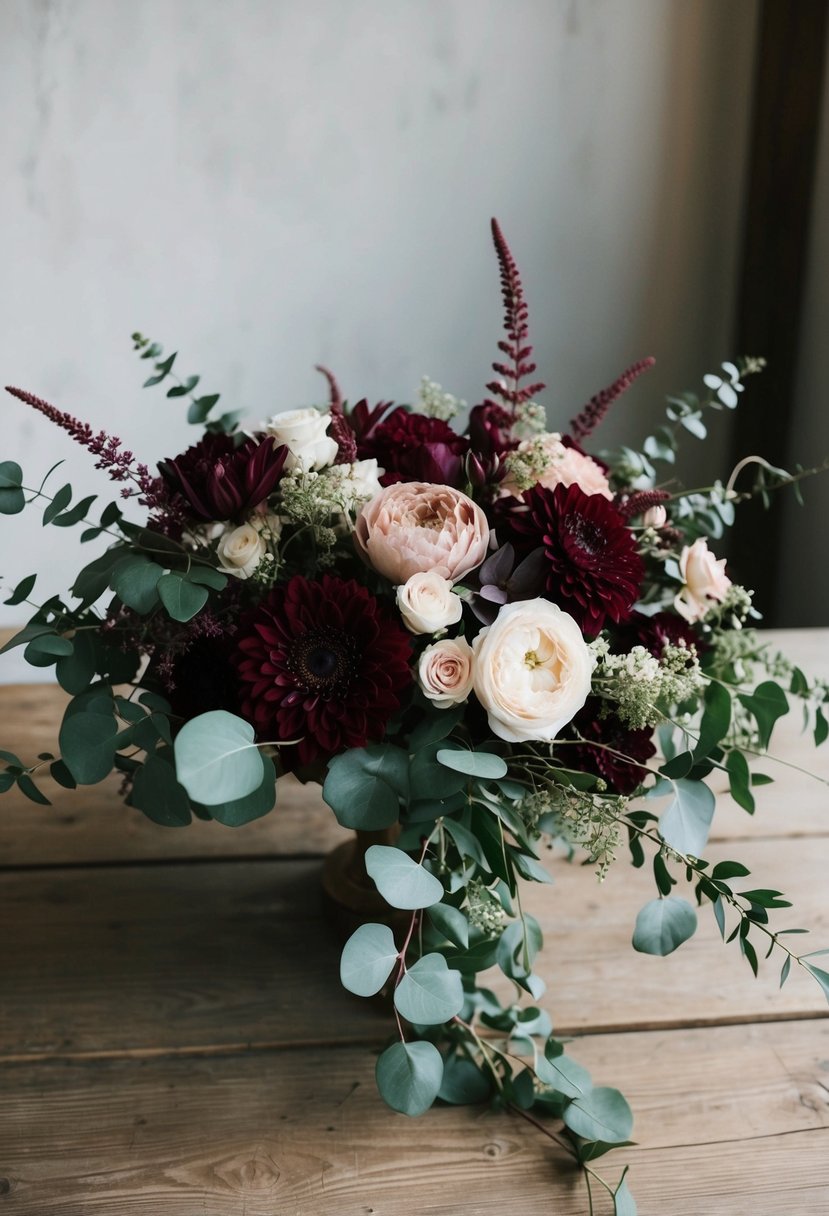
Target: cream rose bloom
[(558, 464), (241, 550), (532, 671), (305, 434), (655, 517), (427, 603), (445, 671), (413, 527), (705, 579)]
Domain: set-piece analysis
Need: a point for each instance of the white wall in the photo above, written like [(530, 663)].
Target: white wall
[(266, 185)]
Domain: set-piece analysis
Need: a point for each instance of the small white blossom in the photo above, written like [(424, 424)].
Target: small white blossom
[(435, 403)]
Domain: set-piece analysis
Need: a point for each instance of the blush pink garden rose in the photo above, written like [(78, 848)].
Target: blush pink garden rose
[(413, 527), (558, 464), (532, 671), (427, 603), (705, 579), (445, 670)]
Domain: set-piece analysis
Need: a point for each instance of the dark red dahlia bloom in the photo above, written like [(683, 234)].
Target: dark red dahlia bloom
[(621, 766), (412, 447), (321, 662), (594, 571), (222, 481)]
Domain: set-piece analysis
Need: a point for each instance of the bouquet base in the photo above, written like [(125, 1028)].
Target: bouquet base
[(350, 898)]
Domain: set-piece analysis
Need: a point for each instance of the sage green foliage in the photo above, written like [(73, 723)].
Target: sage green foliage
[(217, 760), (663, 924)]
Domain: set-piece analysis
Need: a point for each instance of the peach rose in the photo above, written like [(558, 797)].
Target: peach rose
[(413, 527), (427, 603), (445, 671), (532, 671), (705, 580)]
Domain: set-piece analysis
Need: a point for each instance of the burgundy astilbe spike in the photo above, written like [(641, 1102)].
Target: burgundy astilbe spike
[(119, 464), (516, 346), (585, 423), (339, 428), (641, 501)]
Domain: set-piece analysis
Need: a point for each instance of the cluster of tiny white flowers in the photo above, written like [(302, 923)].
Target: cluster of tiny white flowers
[(581, 817), (483, 908), (530, 419), (436, 403), (733, 610), (640, 685), (526, 467)]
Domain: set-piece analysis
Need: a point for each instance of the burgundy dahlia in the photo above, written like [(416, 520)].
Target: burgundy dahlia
[(622, 754), (222, 481), (658, 631), (412, 447), (322, 663), (594, 571)]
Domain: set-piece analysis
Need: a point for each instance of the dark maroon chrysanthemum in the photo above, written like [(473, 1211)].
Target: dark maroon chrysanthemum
[(222, 481), (620, 759), (594, 571), (412, 447), (656, 632), (322, 663)]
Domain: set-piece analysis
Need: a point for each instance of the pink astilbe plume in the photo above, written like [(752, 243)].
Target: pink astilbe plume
[(120, 464), (516, 346), (585, 423), (339, 428)]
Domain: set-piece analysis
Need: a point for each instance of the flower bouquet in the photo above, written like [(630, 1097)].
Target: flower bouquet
[(484, 642)]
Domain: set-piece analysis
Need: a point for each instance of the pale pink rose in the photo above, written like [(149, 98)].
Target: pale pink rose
[(445, 672), (413, 527), (655, 517), (705, 579), (427, 603), (560, 465), (532, 671)]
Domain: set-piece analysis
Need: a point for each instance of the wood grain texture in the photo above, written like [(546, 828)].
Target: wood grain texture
[(184, 958), (304, 1133)]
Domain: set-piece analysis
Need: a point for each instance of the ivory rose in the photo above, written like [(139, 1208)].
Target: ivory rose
[(655, 517), (532, 671), (705, 579), (305, 434), (556, 464), (445, 671), (241, 550), (427, 603), (412, 527)]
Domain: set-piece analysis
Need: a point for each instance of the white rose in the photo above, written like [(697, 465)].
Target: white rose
[(427, 603), (241, 550), (445, 671), (532, 671), (304, 432), (705, 580), (364, 480)]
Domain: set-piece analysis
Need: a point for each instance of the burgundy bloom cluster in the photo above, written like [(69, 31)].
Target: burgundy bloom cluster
[(222, 481), (322, 667), (412, 447), (593, 569), (621, 753)]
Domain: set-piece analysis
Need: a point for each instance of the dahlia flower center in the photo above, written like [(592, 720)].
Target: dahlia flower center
[(589, 538), (323, 659)]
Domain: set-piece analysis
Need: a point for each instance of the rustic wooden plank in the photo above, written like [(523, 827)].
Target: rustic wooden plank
[(92, 824), (188, 957), (729, 1122)]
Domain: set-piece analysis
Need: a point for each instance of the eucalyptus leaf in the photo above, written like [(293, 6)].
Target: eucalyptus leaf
[(87, 746), (182, 599), (685, 823), (664, 924), (403, 883), (217, 760), (159, 795), (409, 1076), (602, 1114), (363, 785), (480, 764), (429, 992), (239, 811), (368, 959)]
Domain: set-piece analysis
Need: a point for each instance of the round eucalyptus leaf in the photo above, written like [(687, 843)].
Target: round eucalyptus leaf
[(664, 924), (475, 764), (601, 1114), (87, 746), (253, 806), (182, 599), (402, 882), (409, 1076), (216, 758), (368, 959), (565, 1075), (429, 993)]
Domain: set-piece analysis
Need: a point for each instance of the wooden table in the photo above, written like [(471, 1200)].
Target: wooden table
[(174, 1039)]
